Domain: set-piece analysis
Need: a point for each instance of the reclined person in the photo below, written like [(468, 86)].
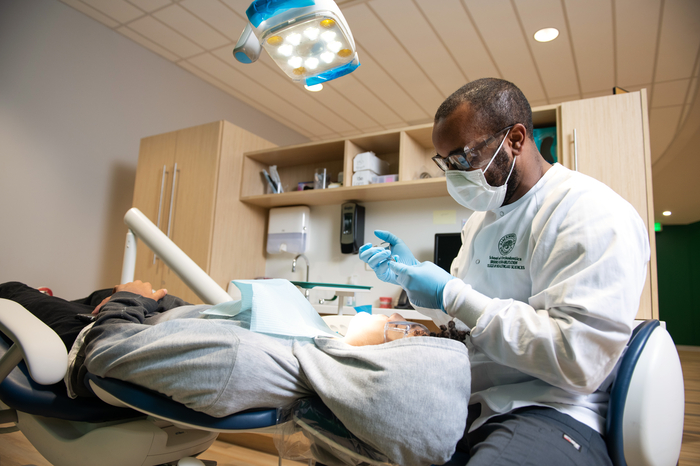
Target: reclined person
[(396, 396)]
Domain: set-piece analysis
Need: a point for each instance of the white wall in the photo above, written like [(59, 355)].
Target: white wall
[(75, 100), (415, 221)]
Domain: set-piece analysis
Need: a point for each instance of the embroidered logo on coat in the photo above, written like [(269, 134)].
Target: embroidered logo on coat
[(506, 244)]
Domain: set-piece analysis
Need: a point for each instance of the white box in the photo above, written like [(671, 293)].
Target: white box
[(369, 161), (362, 177)]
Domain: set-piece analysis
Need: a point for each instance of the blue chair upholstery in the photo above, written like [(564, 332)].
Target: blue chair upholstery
[(154, 404), (20, 392)]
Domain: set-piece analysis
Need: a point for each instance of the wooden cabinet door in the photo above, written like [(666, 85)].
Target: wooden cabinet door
[(611, 145), (610, 140), (190, 221), (152, 191)]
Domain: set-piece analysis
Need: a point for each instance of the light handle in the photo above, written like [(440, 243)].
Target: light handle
[(247, 49)]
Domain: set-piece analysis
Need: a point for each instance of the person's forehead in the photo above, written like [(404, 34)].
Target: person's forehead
[(455, 131)]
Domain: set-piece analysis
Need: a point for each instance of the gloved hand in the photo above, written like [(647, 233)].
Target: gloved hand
[(398, 248), (424, 283), (378, 257)]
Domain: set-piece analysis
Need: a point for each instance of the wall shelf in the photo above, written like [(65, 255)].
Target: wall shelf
[(414, 189)]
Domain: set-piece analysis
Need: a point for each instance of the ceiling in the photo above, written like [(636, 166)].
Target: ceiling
[(414, 53)]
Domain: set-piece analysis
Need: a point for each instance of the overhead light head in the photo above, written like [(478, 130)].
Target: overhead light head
[(546, 34), (666, 213), (308, 39)]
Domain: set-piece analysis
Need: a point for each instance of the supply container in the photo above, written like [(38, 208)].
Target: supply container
[(369, 161)]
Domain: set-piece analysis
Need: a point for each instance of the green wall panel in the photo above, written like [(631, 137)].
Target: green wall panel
[(678, 271)]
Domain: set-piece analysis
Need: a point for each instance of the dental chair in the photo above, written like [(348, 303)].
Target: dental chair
[(134, 427)]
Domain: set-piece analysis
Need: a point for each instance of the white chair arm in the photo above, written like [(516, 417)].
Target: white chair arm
[(41, 348)]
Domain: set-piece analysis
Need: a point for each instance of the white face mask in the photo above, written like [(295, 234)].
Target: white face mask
[(471, 190)]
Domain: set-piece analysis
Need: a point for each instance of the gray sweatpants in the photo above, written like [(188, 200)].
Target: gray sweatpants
[(209, 365)]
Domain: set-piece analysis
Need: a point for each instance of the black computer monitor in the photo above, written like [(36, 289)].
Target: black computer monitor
[(446, 249)]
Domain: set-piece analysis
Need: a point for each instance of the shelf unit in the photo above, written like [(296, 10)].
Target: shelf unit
[(408, 151)]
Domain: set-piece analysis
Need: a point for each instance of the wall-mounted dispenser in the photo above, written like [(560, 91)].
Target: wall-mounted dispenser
[(288, 230), (352, 228)]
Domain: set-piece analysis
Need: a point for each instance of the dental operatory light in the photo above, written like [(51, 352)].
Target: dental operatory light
[(666, 213), (546, 34), (308, 39)]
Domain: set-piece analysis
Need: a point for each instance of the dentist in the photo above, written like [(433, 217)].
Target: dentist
[(548, 282)]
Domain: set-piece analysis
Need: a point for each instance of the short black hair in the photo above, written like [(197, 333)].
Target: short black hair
[(496, 104)]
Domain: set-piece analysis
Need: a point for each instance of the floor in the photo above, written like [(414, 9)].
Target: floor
[(16, 451), (690, 450)]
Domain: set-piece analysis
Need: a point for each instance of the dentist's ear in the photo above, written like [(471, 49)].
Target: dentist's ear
[(517, 137)]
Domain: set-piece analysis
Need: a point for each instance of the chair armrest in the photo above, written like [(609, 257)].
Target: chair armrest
[(41, 348)]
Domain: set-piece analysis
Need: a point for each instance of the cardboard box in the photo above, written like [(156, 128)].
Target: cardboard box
[(369, 161)]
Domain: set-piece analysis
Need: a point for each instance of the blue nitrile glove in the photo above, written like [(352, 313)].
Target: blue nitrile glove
[(423, 283), (378, 257), (399, 250)]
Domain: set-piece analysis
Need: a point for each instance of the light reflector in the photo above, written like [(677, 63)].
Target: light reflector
[(306, 44)]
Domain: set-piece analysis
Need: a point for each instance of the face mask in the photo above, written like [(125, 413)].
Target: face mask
[(471, 190)]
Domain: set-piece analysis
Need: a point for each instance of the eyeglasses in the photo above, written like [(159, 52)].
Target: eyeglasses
[(395, 330), (469, 158)]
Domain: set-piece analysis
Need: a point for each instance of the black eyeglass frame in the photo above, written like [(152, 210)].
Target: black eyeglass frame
[(463, 160)]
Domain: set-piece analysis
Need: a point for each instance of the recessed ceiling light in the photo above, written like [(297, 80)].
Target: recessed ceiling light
[(666, 213), (546, 34), (314, 87)]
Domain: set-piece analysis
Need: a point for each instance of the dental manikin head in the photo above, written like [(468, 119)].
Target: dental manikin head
[(374, 329)]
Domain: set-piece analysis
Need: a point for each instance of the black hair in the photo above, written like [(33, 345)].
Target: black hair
[(450, 331), (496, 104)]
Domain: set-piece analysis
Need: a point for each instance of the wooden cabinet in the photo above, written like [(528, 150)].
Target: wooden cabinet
[(608, 138), (612, 137), (188, 184)]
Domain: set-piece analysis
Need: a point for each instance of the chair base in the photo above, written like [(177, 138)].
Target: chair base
[(144, 441)]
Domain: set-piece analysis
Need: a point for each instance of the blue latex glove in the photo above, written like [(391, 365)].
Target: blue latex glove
[(378, 257), (424, 283)]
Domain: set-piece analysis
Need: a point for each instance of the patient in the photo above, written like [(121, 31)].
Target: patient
[(378, 390)]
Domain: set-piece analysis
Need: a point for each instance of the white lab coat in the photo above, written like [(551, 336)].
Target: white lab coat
[(557, 277)]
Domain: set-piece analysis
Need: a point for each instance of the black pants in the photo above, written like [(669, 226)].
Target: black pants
[(57, 313), (534, 436)]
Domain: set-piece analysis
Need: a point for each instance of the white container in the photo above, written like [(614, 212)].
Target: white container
[(288, 230), (369, 161), (363, 177)]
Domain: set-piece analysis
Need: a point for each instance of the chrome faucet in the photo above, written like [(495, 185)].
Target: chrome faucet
[(294, 268)]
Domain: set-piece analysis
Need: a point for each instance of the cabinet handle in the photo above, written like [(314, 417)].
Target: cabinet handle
[(160, 205), (172, 197), (575, 151)]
